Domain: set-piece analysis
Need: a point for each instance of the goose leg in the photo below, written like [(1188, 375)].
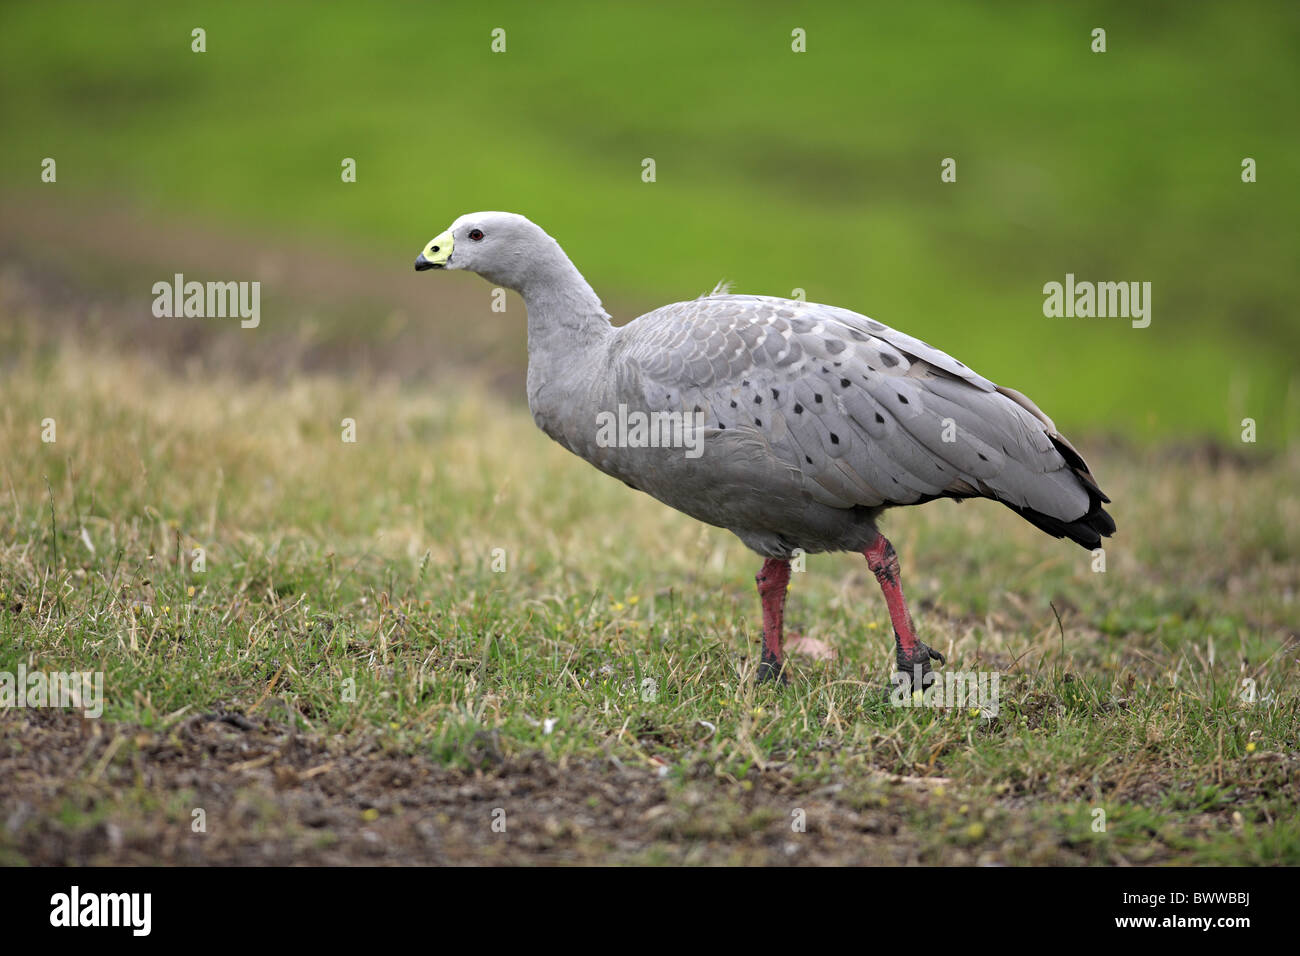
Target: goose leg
[(913, 656), (773, 581)]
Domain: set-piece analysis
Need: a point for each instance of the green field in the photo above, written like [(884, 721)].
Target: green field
[(387, 639), (774, 169)]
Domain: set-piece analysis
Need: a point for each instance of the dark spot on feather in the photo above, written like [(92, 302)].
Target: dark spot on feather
[(844, 383), (776, 393), (758, 422), (826, 370), (744, 382), (889, 360), (981, 454), (858, 336), (798, 409), (872, 367), (838, 364), (835, 439), (733, 403), (880, 419), (698, 409), (903, 399), (758, 399), (876, 326), (834, 346), (807, 459), (818, 399)]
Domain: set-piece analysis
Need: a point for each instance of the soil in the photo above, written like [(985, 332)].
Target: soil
[(78, 792)]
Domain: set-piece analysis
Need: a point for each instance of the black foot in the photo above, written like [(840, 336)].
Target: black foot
[(772, 671), (916, 667)]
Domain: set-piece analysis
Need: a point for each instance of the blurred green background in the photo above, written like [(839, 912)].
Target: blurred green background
[(775, 169)]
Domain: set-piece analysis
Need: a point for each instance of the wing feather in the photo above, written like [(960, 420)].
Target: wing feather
[(866, 414)]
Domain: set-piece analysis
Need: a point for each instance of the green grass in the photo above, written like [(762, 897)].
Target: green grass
[(777, 170), (372, 562)]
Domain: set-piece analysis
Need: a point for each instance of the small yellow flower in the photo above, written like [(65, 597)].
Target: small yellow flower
[(975, 831), (633, 599), (371, 815), (190, 590), (166, 608), (618, 605), (1250, 747), (872, 626)]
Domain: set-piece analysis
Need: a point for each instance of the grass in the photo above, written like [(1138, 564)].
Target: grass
[(372, 562)]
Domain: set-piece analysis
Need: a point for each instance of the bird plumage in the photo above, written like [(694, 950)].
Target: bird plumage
[(867, 416), (814, 419)]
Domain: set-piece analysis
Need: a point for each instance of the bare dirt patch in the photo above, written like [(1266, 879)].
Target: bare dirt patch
[(79, 792)]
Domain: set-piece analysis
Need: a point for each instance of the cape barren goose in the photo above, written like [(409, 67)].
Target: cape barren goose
[(791, 424)]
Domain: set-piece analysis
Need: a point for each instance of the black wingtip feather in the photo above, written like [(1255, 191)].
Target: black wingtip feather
[(1095, 524), (1086, 531)]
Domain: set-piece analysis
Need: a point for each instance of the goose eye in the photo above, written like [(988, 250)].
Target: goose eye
[(476, 234)]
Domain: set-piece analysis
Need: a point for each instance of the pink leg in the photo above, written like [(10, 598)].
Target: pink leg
[(913, 656), (772, 583)]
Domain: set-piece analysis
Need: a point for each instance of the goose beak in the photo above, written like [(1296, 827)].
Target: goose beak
[(435, 254)]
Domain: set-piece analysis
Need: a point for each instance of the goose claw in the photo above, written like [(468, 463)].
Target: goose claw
[(772, 672), (916, 666)]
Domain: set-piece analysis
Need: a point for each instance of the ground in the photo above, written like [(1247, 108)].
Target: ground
[(386, 641)]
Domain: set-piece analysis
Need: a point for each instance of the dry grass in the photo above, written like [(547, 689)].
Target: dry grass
[(373, 561)]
